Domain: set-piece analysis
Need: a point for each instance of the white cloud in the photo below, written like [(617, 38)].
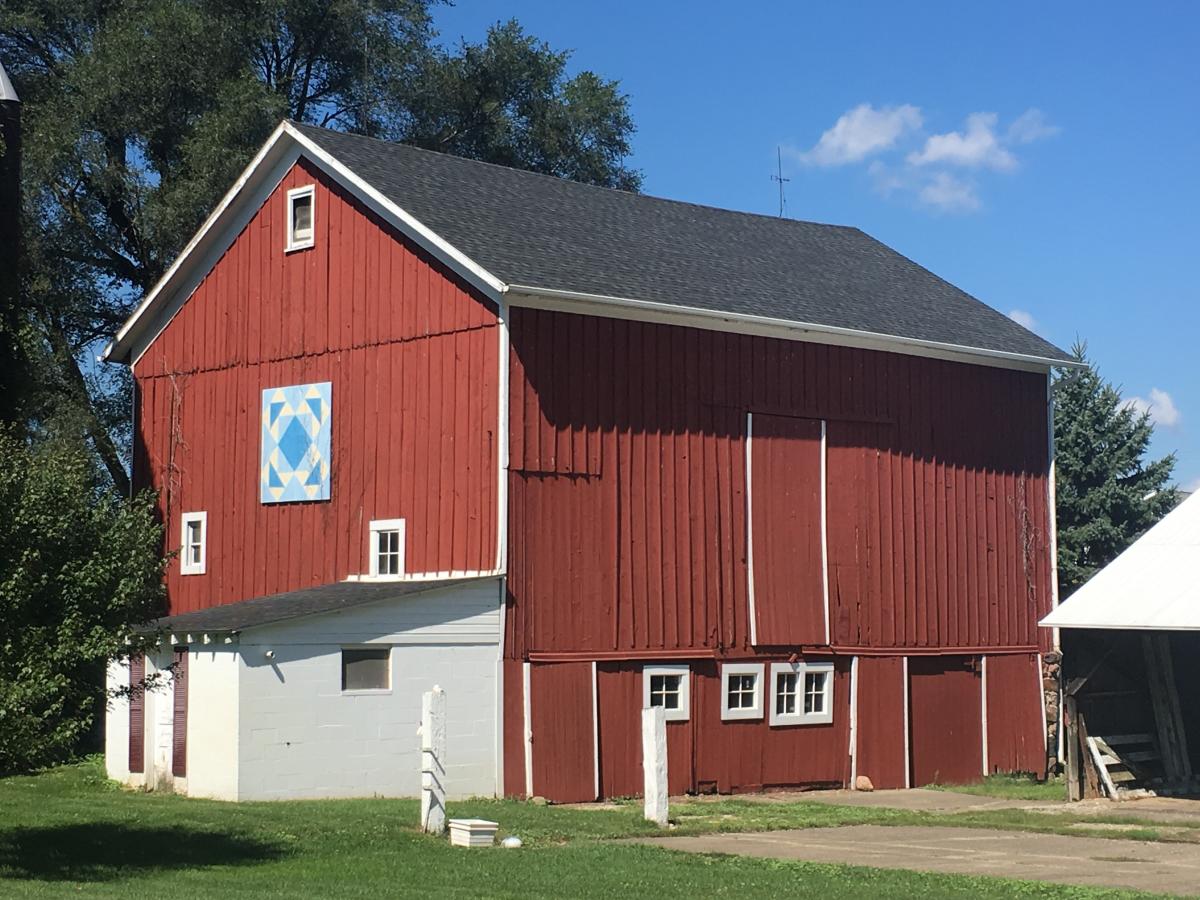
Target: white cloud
[(862, 132), (948, 193), (977, 146), (1023, 318), (1159, 405), (1192, 486), (1032, 125)]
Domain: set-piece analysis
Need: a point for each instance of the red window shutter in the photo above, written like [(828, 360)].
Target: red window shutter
[(137, 713), (179, 731)]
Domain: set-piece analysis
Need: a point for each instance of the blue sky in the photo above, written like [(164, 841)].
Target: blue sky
[(1042, 156)]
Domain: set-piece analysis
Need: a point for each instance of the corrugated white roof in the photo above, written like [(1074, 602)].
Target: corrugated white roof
[(1153, 584)]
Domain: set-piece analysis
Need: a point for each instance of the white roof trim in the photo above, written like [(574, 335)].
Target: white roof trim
[(281, 150), (669, 313), (1154, 584)]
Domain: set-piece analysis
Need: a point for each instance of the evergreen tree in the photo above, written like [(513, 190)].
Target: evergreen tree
[(1107, 492), (139, 115)]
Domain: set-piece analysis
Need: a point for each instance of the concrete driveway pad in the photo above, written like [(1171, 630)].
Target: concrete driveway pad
[(1062, 859)]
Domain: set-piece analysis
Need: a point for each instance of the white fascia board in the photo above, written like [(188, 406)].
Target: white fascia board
[(280, 152), (713, 320)]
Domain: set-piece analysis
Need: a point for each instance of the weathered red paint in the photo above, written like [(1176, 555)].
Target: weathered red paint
[(137, 713), (412, 354), (619, 699), (631, 437), (562, 733), (1016, 732), (945, 719), (881, 725), (737, 756), (179, 702), (785, 501), (513, 733)]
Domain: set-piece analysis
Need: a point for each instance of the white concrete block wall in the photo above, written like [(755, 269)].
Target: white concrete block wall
[(300, 736), (212, 721)]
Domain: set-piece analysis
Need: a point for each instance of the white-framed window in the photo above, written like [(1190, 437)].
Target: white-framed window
[(801, 693), (386, 548), (742, 691), (366, 669), (193, 543), (301, 217), (669, 687)]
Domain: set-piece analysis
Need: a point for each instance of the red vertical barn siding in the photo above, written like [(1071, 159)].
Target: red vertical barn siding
[(412, 354), (938, 529), (563, 743), (619, 702), (945, 719), (881, 726), (785, 488), (513, 737), (137, 713), (179, 700), (1016, 733), (750, 755)]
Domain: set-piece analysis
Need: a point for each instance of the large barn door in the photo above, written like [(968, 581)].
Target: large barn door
[(786, 496), (945, 719)]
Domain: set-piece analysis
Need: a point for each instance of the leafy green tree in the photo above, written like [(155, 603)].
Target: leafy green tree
[(1108, 492), (78, 567), (139, 114)]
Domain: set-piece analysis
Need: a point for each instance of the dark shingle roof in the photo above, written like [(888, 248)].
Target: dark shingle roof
[(294, 604), (539, 231)]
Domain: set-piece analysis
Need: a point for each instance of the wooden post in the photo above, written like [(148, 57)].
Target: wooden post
[(1070, 711), (654, 764), (433, 761), (1091, 777), (1168, 717)]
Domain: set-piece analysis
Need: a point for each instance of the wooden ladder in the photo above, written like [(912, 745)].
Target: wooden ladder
[(1130, 765)]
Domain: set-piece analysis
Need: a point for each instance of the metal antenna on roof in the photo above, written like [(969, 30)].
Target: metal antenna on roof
[(778, 176)]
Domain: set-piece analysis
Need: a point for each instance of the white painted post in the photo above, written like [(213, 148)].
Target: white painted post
[(654, 764), (433, 761)]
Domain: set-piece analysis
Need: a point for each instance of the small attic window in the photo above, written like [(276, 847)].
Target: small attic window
[(301, 217)]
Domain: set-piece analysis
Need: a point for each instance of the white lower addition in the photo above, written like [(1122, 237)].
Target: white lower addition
[(267, 718)]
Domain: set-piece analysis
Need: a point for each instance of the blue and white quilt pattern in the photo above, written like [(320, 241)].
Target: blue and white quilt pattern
[(296, 426)]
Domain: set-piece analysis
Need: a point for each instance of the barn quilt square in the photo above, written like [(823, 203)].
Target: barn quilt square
[(296, 423)]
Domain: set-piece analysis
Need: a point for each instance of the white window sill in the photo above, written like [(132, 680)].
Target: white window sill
[(366, 692), (292, 248)]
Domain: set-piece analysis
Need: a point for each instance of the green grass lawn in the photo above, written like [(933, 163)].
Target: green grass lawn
[(70, 831)]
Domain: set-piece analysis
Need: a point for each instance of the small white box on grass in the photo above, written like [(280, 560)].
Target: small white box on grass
[(472, 832)]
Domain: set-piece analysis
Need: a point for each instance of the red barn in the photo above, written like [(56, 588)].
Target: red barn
[(570, 452)]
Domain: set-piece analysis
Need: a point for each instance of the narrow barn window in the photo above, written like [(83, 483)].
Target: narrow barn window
[(366, 668), (387, 548), (801, 693), (193, 549), (742, 691), (301, 217), (670, 688)]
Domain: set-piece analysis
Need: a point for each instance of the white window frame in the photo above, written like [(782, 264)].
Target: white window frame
[(801, 670), (310, 191), (377, 527), (685, 690), (186, 566), (350, 692), (754, 712)]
